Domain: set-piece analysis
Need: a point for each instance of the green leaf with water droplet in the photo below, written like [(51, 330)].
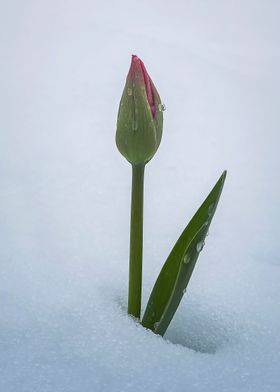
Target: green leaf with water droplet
[(177, 270)]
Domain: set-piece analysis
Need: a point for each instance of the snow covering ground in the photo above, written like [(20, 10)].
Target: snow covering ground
[(65, 193)]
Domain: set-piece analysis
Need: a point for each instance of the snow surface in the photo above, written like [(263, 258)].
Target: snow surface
[(65, 193)]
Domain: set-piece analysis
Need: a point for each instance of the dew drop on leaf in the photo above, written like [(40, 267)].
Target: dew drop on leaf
[(186, 259), (199, 246), (210, 209), (205, 224)]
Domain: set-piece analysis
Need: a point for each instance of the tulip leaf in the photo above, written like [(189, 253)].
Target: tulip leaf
[(177, 270)]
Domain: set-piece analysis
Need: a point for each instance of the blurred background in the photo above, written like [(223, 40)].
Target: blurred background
[(65, 194)]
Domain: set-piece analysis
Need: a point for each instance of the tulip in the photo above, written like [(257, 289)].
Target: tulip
[(140, 119), (139, 131)]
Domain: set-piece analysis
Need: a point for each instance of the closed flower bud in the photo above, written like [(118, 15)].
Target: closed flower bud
[(140, 119)]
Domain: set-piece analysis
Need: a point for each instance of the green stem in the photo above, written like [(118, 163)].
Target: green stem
[(136, 241)]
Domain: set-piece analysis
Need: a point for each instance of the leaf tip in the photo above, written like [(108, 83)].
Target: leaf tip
[(223, 176)]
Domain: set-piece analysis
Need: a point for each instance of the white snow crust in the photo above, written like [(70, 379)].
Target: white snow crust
[(65, 195)]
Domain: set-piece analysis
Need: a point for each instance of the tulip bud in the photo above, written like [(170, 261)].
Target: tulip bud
[(140, 119)]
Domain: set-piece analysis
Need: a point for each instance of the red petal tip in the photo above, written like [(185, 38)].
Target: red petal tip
[(148, 85)]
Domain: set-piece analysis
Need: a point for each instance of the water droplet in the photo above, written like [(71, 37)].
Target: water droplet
[(135, 125), (210, 209), (184, 291), (199, 246), (129, 91), (156, 325), (186, 259), (161, 107)]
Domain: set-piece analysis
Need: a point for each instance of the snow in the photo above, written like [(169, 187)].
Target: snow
[(65, 193)]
